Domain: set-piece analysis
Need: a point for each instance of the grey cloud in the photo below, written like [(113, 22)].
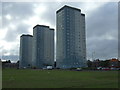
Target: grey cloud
[(0, 14), (18, 10), (50, 15), (0, 8), (9, 57), (11, 35), (103, 21), (104, 49), (22, 28)]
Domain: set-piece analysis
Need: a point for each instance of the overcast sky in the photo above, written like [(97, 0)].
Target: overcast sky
[(20, 17)]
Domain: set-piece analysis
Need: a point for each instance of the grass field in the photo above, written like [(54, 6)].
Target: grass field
[(13, 78)]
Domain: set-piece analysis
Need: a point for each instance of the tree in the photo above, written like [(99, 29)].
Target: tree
[(18, 61), (89, 63), (8, 61), (104, 63)]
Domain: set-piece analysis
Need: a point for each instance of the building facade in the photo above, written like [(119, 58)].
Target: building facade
[(43, 46), (25, 51), (71, 38)]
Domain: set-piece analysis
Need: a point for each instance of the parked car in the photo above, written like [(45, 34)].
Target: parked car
[(115, 68), (49, 67), (99, 68), (78, 69), (106, 68)]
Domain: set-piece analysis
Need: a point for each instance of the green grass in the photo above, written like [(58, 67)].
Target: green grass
[(13, 78)]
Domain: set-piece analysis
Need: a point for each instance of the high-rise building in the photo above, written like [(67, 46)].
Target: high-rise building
[(71, 38), (25, 51), (43, 46)]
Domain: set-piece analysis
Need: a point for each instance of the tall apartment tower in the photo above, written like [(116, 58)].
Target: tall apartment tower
[(71, 38), (25, 51), (43, 46)]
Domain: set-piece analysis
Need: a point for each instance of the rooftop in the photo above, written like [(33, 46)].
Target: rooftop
[(68, 7), (40, 26), (26, 35), (51, 29), (82, 14)]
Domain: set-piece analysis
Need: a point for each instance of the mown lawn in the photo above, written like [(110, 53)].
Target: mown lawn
[(18, 78)]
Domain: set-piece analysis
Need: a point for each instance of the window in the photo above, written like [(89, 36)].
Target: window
[(67, 33), (68, 49)]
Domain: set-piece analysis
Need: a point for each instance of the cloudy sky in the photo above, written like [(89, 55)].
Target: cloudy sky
[(20, 17)]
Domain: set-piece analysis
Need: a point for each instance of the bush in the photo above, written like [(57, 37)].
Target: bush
[(33, 67), (73, 68)]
